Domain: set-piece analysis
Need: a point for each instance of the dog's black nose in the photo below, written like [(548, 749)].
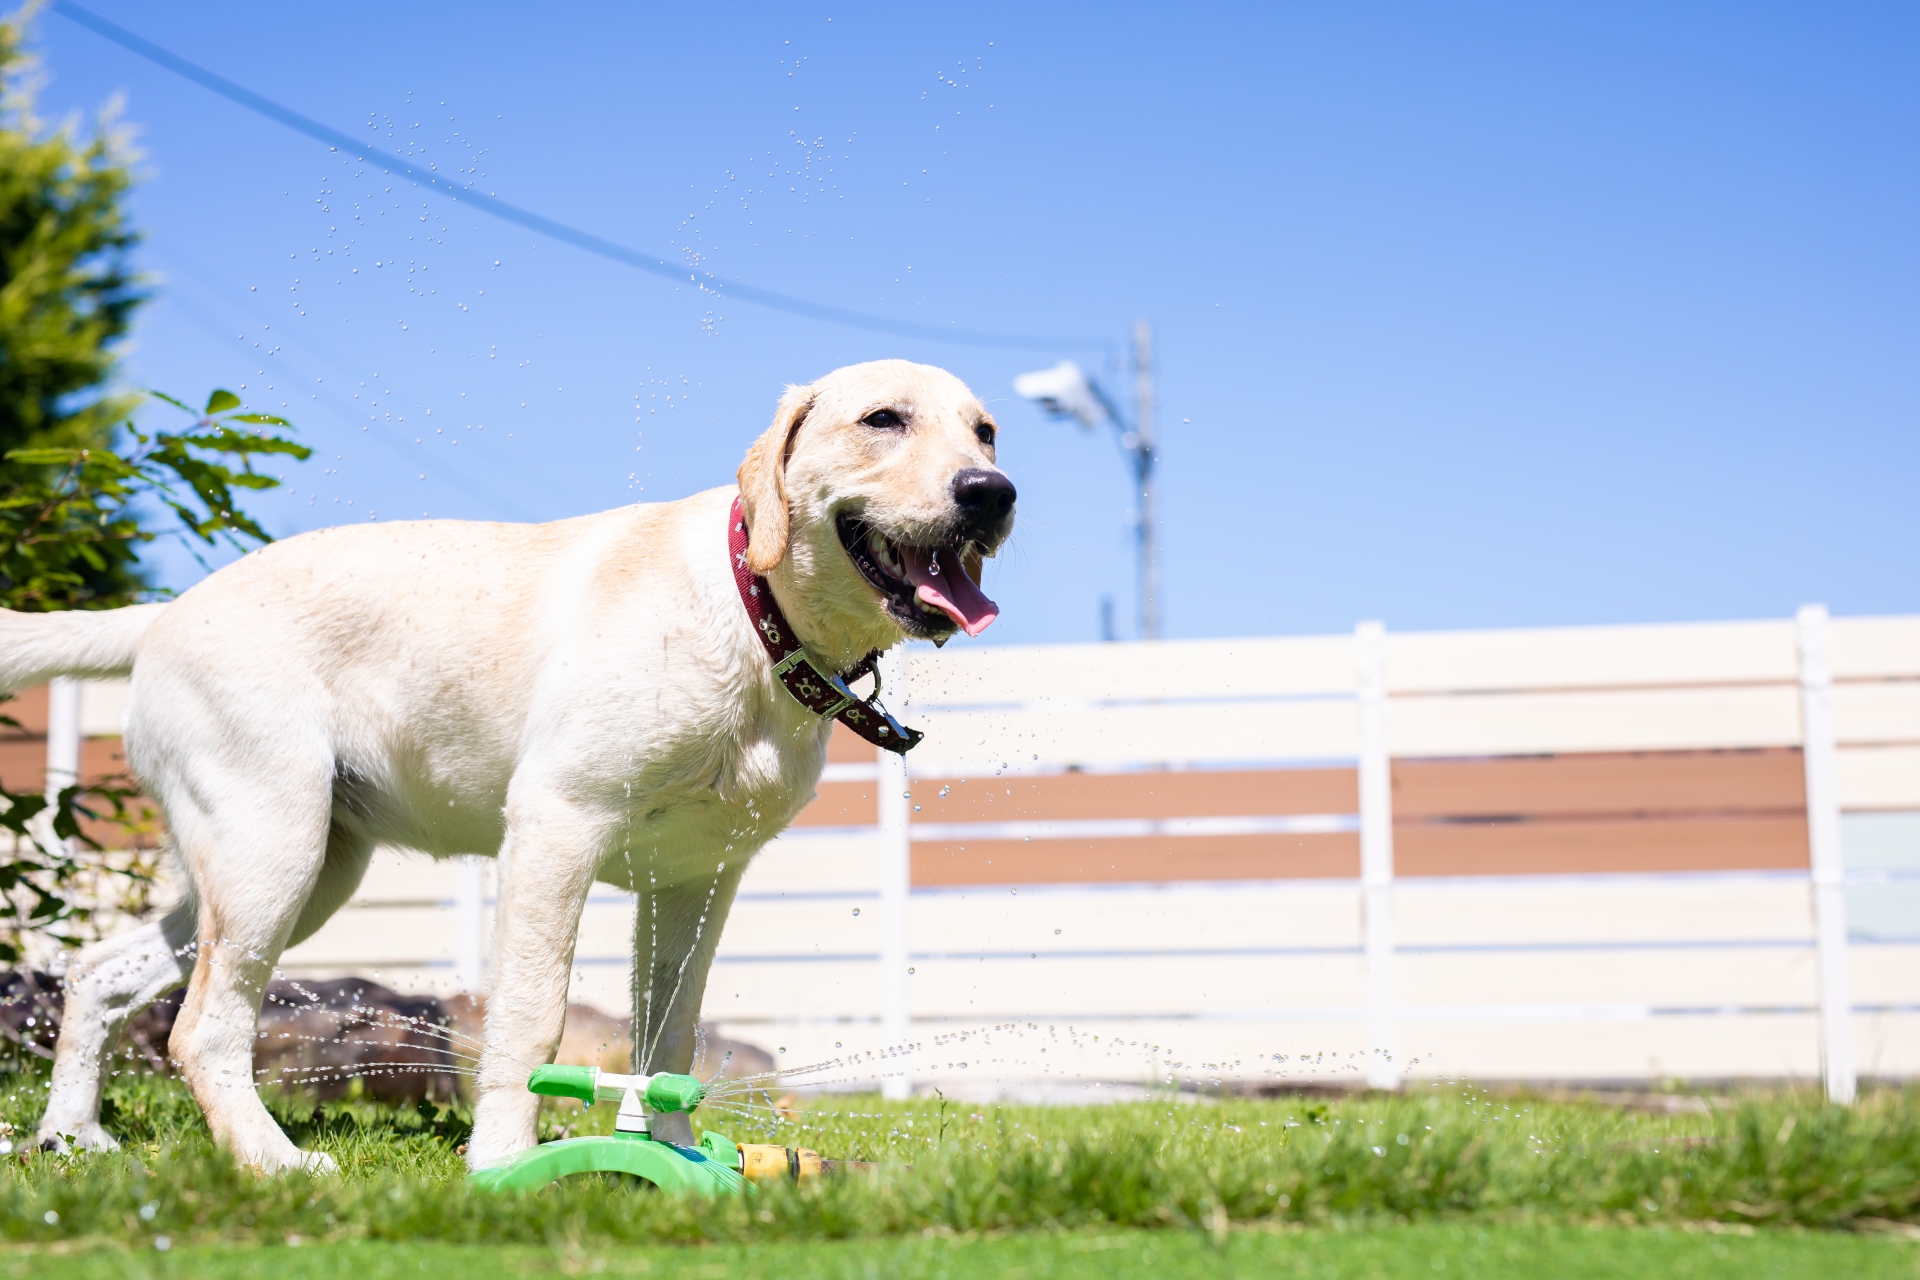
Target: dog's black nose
[(981, 492)]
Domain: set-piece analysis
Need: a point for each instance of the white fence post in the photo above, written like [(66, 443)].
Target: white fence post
[(63, 734), (63, 747), (470, 925), (896, 875), (1376, 850), (1817, 753)]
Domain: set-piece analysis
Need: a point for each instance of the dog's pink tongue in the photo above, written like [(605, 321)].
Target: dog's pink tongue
[(941, 582)]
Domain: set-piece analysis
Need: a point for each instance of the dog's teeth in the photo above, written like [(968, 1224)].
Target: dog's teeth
[(882, 551)]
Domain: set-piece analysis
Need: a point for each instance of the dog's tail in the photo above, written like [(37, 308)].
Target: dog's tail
[(87, 643)]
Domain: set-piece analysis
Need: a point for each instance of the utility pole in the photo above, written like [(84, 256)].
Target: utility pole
[(1064, 391), (1141, 451)]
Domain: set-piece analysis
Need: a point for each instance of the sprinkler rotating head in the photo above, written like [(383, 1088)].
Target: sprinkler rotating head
[(666, 1091)]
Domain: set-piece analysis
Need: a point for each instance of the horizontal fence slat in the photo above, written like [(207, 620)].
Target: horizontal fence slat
[(1177, 984), (1879, 777), (1705, 1047), (1605, 908), (1631, 720), (1600, 846), (1147, 794), (1589, 657), (1596, 783), (1129, 917), (975, 743), (1151, 859), (394, 875), (1258, 667), (1883, 975), (1878, 712), (815, 991), (389, 936), (103, 707), (800, 863), (842, 804), (1748, 976), (844, 746), (1875, 648)]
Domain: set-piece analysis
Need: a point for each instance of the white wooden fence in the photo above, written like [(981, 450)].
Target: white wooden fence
[(1577, 854)]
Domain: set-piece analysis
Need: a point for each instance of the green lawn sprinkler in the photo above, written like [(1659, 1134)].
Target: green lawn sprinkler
[(718, 1164)]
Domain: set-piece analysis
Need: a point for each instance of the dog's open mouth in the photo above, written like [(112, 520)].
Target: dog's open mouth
[(927, 590)]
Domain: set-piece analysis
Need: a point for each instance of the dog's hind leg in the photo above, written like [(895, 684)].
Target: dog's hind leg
[(110, 981), (676, 929), (346, 865), (107, 983), (256, 861)]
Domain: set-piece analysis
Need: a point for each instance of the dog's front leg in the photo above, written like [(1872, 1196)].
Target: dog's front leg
[(552, 846)]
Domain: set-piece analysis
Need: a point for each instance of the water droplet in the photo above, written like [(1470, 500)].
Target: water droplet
[(783, 1048), (1056, 933), (909, 968), (856, 911), (944, 790)]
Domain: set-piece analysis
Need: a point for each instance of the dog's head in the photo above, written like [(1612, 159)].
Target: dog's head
[(871, 502)]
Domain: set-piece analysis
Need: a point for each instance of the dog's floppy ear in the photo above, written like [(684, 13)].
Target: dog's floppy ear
[(763, 482)]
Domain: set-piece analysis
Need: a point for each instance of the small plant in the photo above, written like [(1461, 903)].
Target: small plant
[(73, 520)]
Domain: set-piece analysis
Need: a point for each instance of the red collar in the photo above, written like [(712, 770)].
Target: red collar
[(824, 695)]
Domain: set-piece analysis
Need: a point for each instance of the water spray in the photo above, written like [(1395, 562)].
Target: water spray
[(716, 1165)]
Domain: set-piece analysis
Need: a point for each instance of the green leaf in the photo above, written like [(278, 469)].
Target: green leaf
[(44, 456), (222, 400), (161, 395), (261, 420)]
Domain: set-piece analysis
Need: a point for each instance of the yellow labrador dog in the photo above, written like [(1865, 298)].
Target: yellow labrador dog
[(588, 699)]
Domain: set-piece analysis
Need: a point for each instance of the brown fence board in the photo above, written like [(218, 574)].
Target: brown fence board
[(23, 764), (1600, 783), (1590, 847), (1142, 859), (1066, 797), (29, 707), (848, 747), (841, 804)]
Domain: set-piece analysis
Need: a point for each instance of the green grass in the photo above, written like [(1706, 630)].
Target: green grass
[(1426, 1250), (1383, 1185)]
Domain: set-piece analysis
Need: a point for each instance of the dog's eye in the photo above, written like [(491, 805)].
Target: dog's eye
[(985, 432), (883, 420)]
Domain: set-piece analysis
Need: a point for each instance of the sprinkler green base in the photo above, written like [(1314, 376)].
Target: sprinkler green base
[(710, 1168)]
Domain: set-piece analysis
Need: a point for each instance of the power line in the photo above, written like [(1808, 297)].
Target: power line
[(584, 240)]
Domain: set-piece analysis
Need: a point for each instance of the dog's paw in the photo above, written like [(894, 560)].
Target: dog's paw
[(318, 1163), (86, 1137), (287, 1158)]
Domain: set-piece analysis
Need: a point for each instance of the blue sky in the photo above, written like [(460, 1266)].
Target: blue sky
[(1469, 316)]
